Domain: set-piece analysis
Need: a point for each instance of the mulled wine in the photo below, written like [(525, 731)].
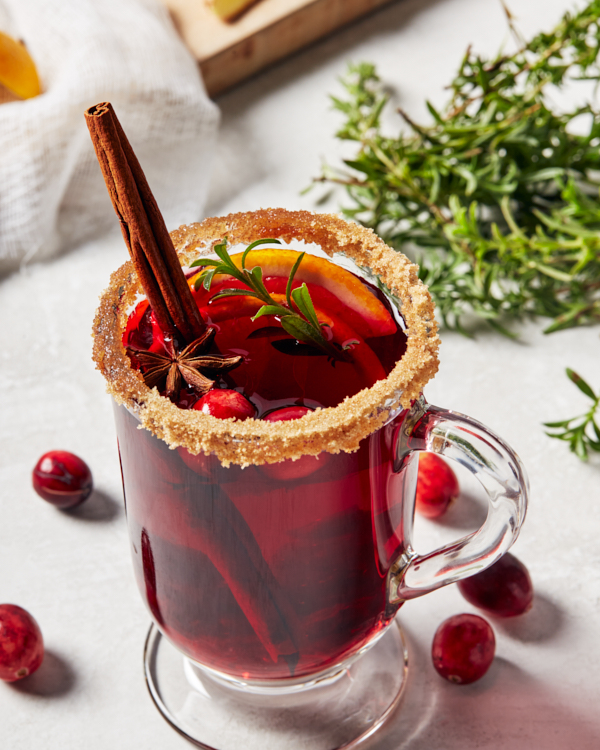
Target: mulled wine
[(278, 570), (256, 574)]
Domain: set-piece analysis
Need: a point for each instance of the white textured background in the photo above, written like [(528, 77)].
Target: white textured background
[(72, 570)]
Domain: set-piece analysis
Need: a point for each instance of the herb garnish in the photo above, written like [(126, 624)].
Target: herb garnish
[(298, 318), (583, 432), (497, 198)]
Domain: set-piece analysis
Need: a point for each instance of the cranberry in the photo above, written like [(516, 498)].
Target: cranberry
[(142, 330), (437, 485), (62, 478), (224, 403), (21, 643), (504, 589), (286, 413), (288, 470), (463, 648)]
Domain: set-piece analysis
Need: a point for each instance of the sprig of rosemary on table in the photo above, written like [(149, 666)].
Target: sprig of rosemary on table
[(497, 198), (582, 432), (298, 318)]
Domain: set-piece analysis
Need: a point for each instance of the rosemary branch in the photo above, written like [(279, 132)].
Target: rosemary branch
[(298, 317), (497, 199), (582, 432)]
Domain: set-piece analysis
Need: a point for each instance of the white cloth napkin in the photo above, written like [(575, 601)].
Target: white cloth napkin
[(52, 194)]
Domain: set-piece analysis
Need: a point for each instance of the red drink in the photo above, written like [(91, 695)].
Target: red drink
[(271, 571), (260, 577)]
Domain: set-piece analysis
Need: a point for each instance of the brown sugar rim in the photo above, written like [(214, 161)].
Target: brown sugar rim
[(253, 441)]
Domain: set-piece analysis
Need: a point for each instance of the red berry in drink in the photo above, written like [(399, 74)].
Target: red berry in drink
[(437, 486), (287, 413), (304, 466), (504, 589), (62, 478), (21, 643), (463, 648), (225, 403)]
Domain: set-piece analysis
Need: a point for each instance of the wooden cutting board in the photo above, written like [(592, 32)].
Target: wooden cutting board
[(268, 31)]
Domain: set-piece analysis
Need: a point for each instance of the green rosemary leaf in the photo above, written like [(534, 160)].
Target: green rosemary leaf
[(255, 279), (581, 384), (579, 447), (578, 431), (303, 331), (220, 249), (268, 310), (204, 262), (301, 297), (288, 288), (235, 293), (207, 278), (256, 243), (564, 423)]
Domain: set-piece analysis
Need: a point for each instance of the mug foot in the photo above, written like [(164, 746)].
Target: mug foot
[(337, 712)]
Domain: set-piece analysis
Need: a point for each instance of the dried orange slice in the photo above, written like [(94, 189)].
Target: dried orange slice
[(17, 70)]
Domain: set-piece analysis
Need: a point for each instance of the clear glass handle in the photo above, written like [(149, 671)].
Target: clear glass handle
[(496, 466)]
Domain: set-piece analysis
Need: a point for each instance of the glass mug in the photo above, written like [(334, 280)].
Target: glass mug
[(279, 582)]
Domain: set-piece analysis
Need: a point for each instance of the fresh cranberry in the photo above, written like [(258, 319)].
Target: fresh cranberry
[(224, 403), (286, 413), (463, 648), (504, 589), (62, 478), (21, 643), (302, 467), (437, 486), (142, 330)]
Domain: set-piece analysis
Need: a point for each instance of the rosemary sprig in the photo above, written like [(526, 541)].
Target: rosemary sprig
[(583, 432), (498, 197), (298, 318)]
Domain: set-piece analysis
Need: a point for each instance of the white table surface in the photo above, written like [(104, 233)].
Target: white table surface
[(72, 569)]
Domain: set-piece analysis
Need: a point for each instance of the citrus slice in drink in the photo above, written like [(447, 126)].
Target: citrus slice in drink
[(332, 288), (17, 70)]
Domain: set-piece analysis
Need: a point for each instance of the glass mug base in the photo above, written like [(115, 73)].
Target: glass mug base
[(339, 711)]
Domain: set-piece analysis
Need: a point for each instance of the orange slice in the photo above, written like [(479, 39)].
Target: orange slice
[(343, 285), (17, 70)]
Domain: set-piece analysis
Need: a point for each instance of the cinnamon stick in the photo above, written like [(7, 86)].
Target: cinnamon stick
[(143, 227)]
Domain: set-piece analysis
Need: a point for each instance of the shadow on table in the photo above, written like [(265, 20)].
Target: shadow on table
[(542, 623), (53, 679), (467, 512), (100, 506), (508, 708)]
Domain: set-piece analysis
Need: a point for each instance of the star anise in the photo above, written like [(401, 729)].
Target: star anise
[(173, 366)]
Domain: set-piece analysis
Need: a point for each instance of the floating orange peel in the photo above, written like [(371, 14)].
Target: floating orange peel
[(17, 70)]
